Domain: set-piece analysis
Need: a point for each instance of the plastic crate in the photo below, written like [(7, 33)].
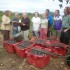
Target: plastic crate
[(9, 47), (57, 50), (39, 61), (40, 39), (52, 40), (61, 50), (21, 52)]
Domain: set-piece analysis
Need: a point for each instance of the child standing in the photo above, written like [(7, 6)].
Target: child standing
[(44, 27)]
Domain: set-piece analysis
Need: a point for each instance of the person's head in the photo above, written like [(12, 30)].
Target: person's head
[(44, 15), (17, 15), (56, 13), (66, 11), (47, 12), (36, 14), (24, 14), (7, 13)]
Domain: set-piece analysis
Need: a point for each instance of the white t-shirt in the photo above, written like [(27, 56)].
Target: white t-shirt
[(44, 23), (36, 23)]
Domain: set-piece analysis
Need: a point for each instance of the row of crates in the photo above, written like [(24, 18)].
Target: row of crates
[(39, 61)]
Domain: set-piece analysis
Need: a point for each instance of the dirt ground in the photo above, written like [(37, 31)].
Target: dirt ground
[(13, 62)]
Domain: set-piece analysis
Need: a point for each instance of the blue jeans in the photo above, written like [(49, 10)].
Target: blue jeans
[(15, 31)]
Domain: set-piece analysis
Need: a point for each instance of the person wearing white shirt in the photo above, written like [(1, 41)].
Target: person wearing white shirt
[(36, 24)]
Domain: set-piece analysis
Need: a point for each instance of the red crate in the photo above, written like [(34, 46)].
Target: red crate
[(21, 52), (36, 60), (38, 39), (51, 41), (9, 47), (61, 50), (48, 42), (57, 50)]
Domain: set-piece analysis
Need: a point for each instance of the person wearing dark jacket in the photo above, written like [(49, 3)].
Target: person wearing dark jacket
[(65, 33), (25, 26)]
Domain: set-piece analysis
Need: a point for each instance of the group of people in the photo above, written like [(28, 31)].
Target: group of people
[(41, 27)]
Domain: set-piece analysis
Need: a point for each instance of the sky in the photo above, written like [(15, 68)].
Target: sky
[(30, 5)]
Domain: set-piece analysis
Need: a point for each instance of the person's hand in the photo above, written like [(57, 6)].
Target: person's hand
[(23, 24), (14, 28), (61, 30), (6, 24), (39, 29), (46, 32), (65, 30), (14, 21)]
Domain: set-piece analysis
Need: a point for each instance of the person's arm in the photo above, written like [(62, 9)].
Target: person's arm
[(39, 24), (53, 20), (68, 23), (61, 23), (14, 21), (46, 25), (27, 22)]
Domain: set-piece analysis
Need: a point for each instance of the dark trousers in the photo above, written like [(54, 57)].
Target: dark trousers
[(49, 31), (65, 37), (35, 33), (5, 34)]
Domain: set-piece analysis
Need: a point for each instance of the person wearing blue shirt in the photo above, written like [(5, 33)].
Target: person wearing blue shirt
[(15, 26), (50, 22)]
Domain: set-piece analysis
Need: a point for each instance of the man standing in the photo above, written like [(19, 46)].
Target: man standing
[(25, 26), (15, 26), (50, 22)]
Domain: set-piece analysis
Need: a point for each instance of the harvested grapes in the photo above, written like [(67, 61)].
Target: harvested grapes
[(24, 44), (12, 41), (39, 41), (37, 51)]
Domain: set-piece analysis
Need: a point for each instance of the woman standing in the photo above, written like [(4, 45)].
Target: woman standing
[(5, 26), (57, 24), (36, 24), (44, 27), (65, 34)]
